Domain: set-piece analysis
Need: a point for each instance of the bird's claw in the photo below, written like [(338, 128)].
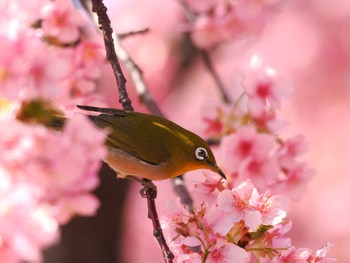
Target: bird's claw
[(149, 189)]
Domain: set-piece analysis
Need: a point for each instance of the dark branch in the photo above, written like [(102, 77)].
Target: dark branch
[(149, 191), (136, 75), (105, 26), (210, 67), (133, 33), (181, 191)]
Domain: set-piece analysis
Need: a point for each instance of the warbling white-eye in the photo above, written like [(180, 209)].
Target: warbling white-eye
[(151, 147)]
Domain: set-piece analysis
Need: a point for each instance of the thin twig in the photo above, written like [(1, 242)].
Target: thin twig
[(105, 26), (149, 191), (133, 33), (136, 75), (210, 67), (182, 191), (191, 17)]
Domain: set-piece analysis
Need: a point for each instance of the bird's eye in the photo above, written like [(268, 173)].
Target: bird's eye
[(201, 153)]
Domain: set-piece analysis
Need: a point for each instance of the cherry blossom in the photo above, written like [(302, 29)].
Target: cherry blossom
[(214, 116), (264, 87), (290, 150), (219, 230), (31, 65), (11, 65), (250, 209), (222, 21), (244, 203), (249, 154), (189, 258), (62, 21), (201, 6), (44, 183), (245, 144), (304, 255), (87, 55), (228, 253), (41, 80)]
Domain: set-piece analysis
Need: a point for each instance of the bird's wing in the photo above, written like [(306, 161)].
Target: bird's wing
[(131, 135), (103, 110)]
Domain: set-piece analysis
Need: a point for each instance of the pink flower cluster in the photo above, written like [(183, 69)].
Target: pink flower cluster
[(244, 219), (250, 147), (304, 255), (46, 176), (224, 230), (62, 21), (45, 53), (220, 21)]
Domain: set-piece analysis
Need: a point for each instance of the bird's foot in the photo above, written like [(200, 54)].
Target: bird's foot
[(149, 189)]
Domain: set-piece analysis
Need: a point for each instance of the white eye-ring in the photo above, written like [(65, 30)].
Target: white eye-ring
[(201, 153)]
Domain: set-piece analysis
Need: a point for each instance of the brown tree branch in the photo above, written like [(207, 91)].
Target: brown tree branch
[(149, 191), (133, 33), (136, 75), (105, 26)]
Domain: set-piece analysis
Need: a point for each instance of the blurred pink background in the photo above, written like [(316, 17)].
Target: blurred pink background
[(309, 41)]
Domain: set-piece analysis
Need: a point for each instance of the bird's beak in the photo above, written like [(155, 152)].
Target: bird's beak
[(216, 169), (221, 173)]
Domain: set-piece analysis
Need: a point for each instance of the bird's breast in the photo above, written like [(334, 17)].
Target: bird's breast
[(126, 164)]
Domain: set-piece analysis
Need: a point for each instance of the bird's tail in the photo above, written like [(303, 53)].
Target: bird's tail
[(43, 112), (57, 122), (39, 111)]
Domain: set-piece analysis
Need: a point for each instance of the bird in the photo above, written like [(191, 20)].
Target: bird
[(151, 147)]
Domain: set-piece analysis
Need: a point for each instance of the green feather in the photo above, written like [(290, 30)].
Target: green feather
[(135, 134)]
